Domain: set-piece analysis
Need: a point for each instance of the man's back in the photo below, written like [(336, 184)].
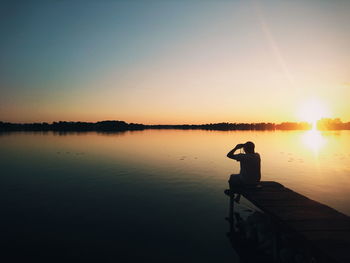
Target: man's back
[(250, 167)]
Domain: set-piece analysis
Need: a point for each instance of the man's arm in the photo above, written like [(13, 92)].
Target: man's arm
[(231, 153)]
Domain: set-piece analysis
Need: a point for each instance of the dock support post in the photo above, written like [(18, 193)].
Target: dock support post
[(231, 212)]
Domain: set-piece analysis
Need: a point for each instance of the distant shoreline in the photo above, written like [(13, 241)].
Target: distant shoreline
[(112, 125)]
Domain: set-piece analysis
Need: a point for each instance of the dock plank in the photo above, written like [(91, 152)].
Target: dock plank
[(323, 227), (320, 224)]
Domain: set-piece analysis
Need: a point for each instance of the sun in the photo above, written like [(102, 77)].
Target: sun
[(312, 110)]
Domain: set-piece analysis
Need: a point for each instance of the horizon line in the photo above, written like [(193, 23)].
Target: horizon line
[(163, 124)]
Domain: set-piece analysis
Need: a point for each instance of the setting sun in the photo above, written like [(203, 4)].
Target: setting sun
[(313, 110)]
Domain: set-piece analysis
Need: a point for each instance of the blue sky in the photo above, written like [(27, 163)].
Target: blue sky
[(172, 61)]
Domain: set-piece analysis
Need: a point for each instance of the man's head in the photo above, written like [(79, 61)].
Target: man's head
[(248, 147)]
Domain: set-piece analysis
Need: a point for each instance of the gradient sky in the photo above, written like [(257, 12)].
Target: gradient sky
[(173, 61)]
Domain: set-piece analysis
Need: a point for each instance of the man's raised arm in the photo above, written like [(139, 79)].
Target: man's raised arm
[(231, 153)]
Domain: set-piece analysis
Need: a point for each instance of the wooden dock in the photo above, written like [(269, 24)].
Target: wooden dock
[(322, 228)]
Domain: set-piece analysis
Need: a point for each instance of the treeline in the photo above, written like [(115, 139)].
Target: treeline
[(332, 124), (123, 126), (225, 126), (111, 126), (72, 126)]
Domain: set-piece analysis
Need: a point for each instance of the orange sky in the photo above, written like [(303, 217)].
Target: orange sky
[(173, 63)]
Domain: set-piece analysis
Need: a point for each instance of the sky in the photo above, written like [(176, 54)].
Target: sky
[(174, 62)]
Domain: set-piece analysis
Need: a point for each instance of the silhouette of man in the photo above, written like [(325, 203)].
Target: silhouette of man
[(250, 165)]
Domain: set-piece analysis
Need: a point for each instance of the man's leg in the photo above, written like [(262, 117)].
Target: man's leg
[(235, 180)]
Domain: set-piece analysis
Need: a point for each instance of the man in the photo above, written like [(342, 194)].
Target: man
[(250, 165)]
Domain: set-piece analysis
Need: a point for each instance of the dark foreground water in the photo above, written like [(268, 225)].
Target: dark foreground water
[(155, 196)]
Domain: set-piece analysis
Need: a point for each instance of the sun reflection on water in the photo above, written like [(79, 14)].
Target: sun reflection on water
[(314, 140)]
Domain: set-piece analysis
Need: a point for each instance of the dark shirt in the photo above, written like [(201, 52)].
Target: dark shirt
[(250, 167)]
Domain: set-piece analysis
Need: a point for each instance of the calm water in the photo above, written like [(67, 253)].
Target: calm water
[(154, 195)]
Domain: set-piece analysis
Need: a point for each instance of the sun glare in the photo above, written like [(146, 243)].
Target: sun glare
[(313, 140), (312, 110)]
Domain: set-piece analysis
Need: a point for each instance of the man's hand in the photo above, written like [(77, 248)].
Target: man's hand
[(239, 146)]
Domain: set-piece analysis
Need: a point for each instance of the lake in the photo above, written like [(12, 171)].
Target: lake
[(153, 195)]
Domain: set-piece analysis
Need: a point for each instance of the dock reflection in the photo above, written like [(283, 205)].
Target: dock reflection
[(250, 245)]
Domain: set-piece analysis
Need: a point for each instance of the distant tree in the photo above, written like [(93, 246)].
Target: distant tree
[(332, 124), (294, 126)]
